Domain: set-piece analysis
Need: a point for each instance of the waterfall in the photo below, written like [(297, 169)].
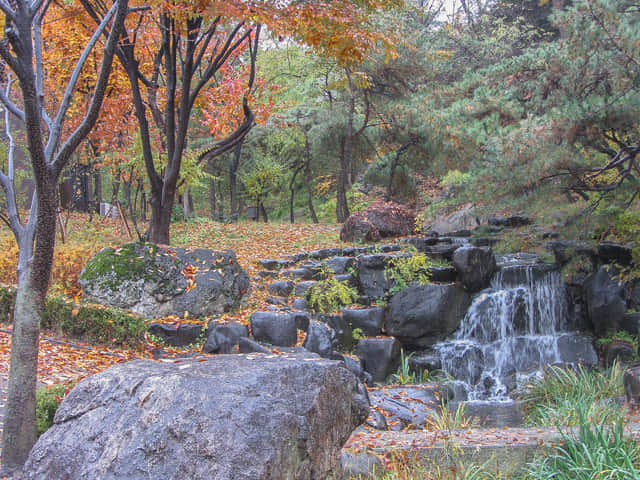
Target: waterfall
[(510, 329)]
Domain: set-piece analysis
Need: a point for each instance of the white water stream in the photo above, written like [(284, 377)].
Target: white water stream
[(510, 329)]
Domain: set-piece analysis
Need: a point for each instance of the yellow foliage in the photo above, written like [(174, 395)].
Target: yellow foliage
[(68, 262)]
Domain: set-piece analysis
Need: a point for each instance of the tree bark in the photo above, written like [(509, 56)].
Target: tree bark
[(307, 177), (292, 196)]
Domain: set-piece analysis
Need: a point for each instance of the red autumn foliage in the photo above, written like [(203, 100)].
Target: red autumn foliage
[(379, 220)]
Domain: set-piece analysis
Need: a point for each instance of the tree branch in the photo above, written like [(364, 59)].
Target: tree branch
[(101, 84)]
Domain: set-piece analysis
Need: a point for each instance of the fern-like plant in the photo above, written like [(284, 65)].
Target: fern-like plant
[(329, 295), (404, 271)]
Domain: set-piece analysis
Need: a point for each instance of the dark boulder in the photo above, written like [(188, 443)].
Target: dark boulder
[(281, 288), (269, 264), (610, 252), (380, 356), (475, 267), (302, 320), (300, 304), (565, 251), (631, 382), (372, 278), (510, 221), (321, 339), (222, 338), (325, 253), (577, 349), (156, 282), (344, 331), (354, 364), (340, 265), (443, 274), (425, 361), (302, 288), (232, 417), (246, 345), (443, 250), (604, 297), (176, 336), (422, 315), (369, 320), (378, 220), (631, 323), (274, 328), (299, 273), (620, 351)]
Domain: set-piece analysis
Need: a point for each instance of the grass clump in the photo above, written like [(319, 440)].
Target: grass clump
[(330, 295), (410, 466), (447, 419), (595, 450), (563, 395)]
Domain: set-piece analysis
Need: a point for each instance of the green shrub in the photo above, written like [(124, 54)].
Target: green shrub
[(47, 402), (7, 302), (597, 450), (329, 295), (407, 270), (562, 394), (94, 323)]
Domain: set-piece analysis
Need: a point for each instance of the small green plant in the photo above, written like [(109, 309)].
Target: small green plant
[(358, 334), (329, 295), (446, 419), (47, 402), (619, 336), (404, 374), (405, 270), (597, 450)]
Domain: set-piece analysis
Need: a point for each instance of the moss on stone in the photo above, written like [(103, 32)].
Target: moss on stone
[(131, 262)]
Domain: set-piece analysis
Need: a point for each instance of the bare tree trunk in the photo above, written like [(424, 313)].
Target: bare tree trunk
[(307, 178), (342, 207), (234, 164), (212, 198), (19, 433), (263, 211), (292, 190)]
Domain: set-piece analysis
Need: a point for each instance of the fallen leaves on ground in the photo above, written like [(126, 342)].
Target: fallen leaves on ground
[(60, 361), (251, 241)]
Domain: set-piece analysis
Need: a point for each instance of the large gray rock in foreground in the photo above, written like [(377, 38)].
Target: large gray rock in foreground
[(241, 417), (156, 282)]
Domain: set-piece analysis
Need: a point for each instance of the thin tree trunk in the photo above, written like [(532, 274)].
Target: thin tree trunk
[(292, 190), (233, 179), (342, 206), (212, 198), (19, 433), (263, 211), (307, 178)]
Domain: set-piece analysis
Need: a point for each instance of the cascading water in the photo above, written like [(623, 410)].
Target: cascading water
[(511, 328)]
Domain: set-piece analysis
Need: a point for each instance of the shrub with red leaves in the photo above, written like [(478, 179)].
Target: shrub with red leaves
[(379, 220)]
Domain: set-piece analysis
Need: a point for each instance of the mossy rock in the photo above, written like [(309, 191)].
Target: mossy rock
[(155, 281)]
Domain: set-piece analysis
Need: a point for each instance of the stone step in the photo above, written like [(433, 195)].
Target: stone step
[(502, 450)]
